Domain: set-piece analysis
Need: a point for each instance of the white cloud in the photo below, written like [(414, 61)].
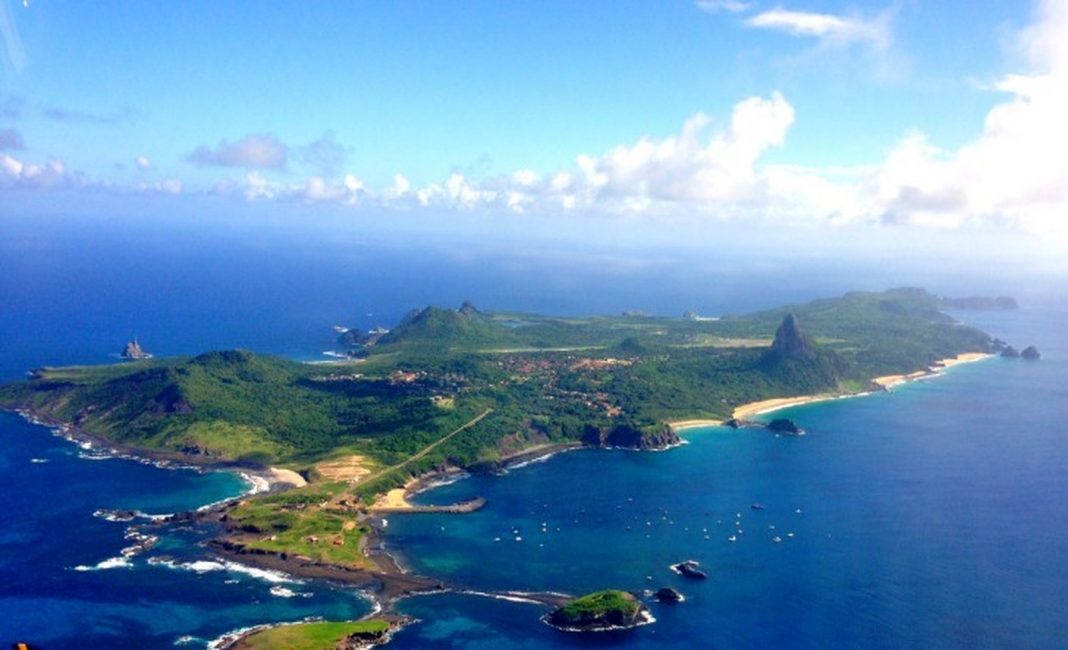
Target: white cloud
[(1016, 171), (143, 162), (16, 173), (827, 28), (716, 6), (256, 151)]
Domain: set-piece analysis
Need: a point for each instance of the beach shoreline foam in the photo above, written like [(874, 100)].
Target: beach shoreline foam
[(878, 384)]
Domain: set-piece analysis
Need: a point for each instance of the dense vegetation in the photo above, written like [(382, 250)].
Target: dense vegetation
[(538, 379), (608, 607), (320, 635)]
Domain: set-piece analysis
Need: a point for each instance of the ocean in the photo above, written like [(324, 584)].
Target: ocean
[(929, 516)]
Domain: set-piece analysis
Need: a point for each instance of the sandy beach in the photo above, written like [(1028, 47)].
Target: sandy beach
[(764, 406), (886, 382), (397, 498), (679, 425), (276, 475)]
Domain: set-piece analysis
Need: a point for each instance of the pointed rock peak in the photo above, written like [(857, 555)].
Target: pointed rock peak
[(468, 308), (790, 341)]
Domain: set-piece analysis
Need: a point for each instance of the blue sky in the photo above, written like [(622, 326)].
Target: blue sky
[(870, 112)]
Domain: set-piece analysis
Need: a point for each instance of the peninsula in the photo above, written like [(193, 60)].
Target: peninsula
[(449, 390)]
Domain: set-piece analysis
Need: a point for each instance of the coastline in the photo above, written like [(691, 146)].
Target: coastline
[(878, 384), (680, 425), (260, 478), (385, 580), (398, 499)]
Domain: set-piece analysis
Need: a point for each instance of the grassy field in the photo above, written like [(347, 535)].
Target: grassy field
[(311, 636)]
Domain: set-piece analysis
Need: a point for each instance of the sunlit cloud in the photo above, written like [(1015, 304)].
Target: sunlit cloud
[(827, 28)]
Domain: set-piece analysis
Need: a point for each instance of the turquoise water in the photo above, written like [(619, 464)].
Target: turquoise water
[(933, 516)]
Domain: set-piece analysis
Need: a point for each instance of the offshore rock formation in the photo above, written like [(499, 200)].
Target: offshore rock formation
[(668, 595), (133, 351), (689, 569), (1031, 353), (603, 610), (785, 425), (1010, 352)]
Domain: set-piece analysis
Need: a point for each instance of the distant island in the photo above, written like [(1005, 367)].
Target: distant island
[(982, 303), (133, 352), (449, 390)]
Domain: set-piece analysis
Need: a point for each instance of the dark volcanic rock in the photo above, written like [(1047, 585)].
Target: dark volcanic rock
[(733, 423), (790, 341), (690, 569), (1010, 352), (1031, 353), (785, 425), (668, 595), (361, 640), (623, 435)]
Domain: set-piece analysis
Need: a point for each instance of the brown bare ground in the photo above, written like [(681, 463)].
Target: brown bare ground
[(350, 469)]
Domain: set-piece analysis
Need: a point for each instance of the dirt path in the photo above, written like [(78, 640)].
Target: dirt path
[(431, 447)]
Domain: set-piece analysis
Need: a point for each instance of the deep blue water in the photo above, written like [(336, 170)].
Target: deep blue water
[(932, 516)]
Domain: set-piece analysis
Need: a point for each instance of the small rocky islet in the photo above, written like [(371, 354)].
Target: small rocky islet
[(610, 609)]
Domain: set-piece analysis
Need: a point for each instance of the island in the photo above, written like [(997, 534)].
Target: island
[(318, 635), (132, 351), (980, 303), (450, 390), (600, 611)]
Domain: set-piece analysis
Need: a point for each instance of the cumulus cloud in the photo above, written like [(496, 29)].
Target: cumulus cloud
[(1015, 171), (20, 174), (256, 151), (11, 140), (827, 28), (143, 162)]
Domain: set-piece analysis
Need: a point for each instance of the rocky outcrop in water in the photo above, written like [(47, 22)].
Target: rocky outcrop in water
[(1010, 352), (785, 425), (668, 595), (689, 569), (133, 351), (1031, 353)]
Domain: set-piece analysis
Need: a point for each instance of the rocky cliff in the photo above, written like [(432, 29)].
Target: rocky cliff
[(790, 342)]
